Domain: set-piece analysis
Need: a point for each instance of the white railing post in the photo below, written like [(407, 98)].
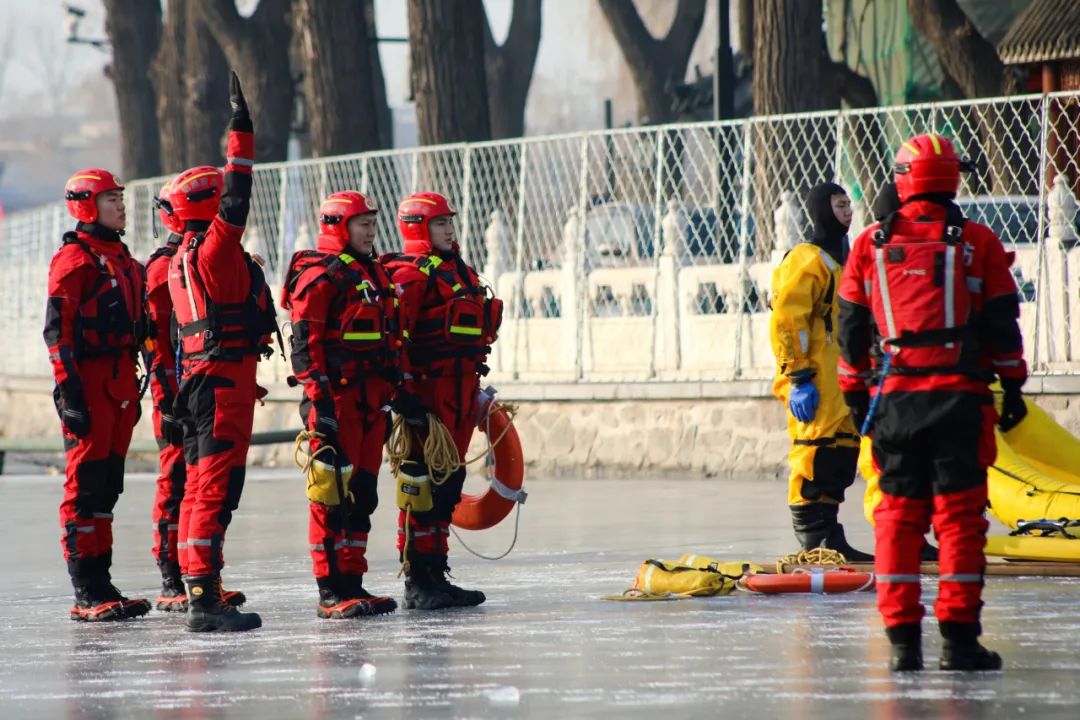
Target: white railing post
[(1061, 209), (283, 209)]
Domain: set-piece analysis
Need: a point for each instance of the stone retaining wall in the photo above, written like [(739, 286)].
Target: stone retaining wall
[(713, 429)]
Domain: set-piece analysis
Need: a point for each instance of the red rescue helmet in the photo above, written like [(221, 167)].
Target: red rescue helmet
[(927, 164), (414, 214), (82, 189), (336, 211), (195, 194), (165, 211)]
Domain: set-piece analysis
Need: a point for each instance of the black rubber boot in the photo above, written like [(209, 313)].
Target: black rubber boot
[(810, 524), (460, 596), (906, 647), (421, 590), (836, 540), (208, 611), (962, 650), (345, 597), (102, 587), (929, 553), (89, 606)]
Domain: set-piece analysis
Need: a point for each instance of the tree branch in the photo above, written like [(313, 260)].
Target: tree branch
[(635, 40), (965, 55), (679, 41)]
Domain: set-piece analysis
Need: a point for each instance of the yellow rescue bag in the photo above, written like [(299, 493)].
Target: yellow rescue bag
[(326, 482)]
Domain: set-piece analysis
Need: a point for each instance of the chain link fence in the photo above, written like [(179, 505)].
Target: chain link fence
[(646, 253)]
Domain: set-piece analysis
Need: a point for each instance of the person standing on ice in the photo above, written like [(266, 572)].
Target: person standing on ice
[(450, 321), (224, 315), (802, 327), (94, 328), (346, 346), (168, 431), (934, 292)]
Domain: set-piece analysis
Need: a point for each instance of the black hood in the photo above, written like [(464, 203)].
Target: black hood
[(887, 202), (829, 233)]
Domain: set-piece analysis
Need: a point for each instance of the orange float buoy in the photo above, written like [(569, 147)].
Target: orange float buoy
[(816, 580), (480, 512)]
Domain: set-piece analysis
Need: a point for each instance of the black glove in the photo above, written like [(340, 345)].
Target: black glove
[(409, 407), (241, 118), (858, 402), (326, 423), (1013, 407), (71, 407), (171, 429), (138, 411)]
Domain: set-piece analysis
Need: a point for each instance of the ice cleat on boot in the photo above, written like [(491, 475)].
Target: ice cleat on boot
[(208, 610), (101, 587), (962, 650), (421, 590), (345, 597), (88, 608), (906, 643), (460, 596)]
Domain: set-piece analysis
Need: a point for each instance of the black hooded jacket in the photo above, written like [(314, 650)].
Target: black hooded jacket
[(829, 234)]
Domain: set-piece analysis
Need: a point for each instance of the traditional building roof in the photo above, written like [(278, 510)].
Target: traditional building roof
[(1047, 30)]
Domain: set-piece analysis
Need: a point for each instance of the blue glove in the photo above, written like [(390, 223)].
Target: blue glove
[(803, 400)]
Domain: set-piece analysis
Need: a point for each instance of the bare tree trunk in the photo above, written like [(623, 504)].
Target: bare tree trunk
[(974, 64), (206, 112), (509, 68), (655, 63), (746, 26), (446, 51), (134, 29), (166, 71), (382, 106), (338, 81), (785, 81), (257, 48)]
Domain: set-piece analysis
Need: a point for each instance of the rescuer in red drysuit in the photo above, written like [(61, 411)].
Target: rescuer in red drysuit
[(94, 327), (346, 346), (224, 315), (450, 321), (927, 300), (168, 431)]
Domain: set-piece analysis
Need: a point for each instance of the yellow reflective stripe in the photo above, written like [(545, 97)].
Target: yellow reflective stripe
[(432, 263), (361, 336), (405, 333), (936, 143), (462, 330), (346, 258), (457, 286), (911, 147)]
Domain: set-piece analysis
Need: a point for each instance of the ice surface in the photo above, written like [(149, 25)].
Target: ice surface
[(542, 646)]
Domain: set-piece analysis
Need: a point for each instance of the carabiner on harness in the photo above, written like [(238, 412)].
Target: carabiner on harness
[(868, 421)]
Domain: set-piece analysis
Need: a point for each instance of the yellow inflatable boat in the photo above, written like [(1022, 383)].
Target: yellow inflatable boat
[(1036, 476)]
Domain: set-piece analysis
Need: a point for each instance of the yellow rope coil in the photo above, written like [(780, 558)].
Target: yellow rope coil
[(440, 451), (304, 459), (813, 556)]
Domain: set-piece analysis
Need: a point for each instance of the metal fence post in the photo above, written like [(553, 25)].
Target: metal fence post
[(466, 207), (1040, 262), (838, 155), (658, 210), (519, 263), (283, 207), (744, 238), (580, 277)]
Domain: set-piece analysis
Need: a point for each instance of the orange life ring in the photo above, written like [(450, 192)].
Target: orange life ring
[(480, 512), (838, 580)]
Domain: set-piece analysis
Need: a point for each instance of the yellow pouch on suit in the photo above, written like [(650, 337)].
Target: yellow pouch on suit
[(322, 482)]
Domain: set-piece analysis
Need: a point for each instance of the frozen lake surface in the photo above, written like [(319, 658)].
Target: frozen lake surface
[(543, 645)]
